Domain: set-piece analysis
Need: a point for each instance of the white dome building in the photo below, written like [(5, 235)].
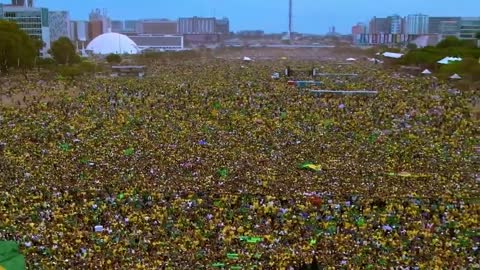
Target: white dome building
[(113, 43)]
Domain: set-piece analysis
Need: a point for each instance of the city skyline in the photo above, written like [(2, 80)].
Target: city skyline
[(269, 15)]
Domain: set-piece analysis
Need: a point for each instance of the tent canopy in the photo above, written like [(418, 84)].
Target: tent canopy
[(448, 59), (455, 76), (426, 71), (393, 55)]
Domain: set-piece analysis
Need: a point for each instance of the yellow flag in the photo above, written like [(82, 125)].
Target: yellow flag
[(314, 167)]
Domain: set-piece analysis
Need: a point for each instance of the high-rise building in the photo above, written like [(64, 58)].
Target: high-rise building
[(222, 26), (360, 28), (117, 26), (196, 25), (434, 23), (469, 27), (23, 3), (417, 24), (95, 29), (130, 26), (449, 28), (157, 27), (378, 25), (59, 22), (99, 22), (34, 21), (79, 31), (395, 23)]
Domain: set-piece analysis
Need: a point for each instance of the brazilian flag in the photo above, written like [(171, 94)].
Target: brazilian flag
[(10, 257), (310, 166)]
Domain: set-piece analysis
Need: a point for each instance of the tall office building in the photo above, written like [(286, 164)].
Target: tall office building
[(59, 22), (378, 25), (130, 26), (157, 27), (196, 25), (434, 23), (222, 26), (358, 29), (23, 3), (79, 31), (117, 26), (99, 23), (469, 27), (395, 23), (417, 24), (34, 21)]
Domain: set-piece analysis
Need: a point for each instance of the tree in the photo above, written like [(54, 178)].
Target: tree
[(63, 51), (17, 49), (412, 46), (449, 42), (454, 42), (114, 58)]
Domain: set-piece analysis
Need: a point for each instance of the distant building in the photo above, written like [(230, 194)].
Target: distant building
[(158, 42), (99, 23), (251, 33), (196, 25), (222, 27), (130, 26), (396, 24), (378, 25), (157, 27), (360, 28), (449, 28), (59, 22), (201, 39), (117, 26), (95, 29), (382, 39), (23, 3), (34, 21), (79, 31), (434, 23), (417, 24), (469, 27)]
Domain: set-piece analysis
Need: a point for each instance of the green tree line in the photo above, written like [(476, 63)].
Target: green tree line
[(428, 57)]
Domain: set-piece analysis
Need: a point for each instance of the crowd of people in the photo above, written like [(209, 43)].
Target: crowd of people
[(198, 166)]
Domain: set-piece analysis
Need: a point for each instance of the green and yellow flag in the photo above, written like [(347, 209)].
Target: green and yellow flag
[(311, 166), (10, 257)]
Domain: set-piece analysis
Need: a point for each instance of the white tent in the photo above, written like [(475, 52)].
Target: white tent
[(426, 72), (393, 55), (247, 59), (448, 59), (351, 59), (455, 77)]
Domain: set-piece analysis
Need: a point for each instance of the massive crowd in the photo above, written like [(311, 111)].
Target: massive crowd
[(198, 167)]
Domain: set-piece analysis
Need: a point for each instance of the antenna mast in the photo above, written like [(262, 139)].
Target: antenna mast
[(290, 19)]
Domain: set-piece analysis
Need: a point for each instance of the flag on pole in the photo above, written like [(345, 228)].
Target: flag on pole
[(10, 257)]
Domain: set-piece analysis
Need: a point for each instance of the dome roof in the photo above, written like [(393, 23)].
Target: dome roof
[(113, 43)]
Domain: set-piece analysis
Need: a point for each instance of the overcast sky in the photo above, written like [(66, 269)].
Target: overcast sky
[(310, 16)]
